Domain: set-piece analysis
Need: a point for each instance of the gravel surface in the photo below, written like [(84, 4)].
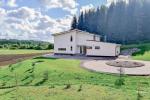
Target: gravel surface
[(101, 66)]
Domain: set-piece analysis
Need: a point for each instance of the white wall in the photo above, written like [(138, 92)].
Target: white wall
[(117, 50), (106, 49), (63, 41), (82, 38)]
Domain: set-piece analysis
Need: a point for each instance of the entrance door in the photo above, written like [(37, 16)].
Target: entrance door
[(83, 50), (80, 49)]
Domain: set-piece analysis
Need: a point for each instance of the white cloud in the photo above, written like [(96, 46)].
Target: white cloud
[(86, 7), (12, 3), (27, 23), (23, 13), (68, 5), (110, 1), (9, 3)]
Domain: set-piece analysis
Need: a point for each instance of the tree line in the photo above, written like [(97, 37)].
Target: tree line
[(25, 44), (121, 22)]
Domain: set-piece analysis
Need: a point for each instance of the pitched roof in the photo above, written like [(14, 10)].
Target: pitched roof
[(73, 30)]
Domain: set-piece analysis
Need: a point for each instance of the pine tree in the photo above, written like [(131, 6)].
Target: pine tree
[(121, 22), (81, 21), (74, 23)]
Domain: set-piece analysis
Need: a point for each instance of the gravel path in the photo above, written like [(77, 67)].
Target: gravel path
[(100, 66)]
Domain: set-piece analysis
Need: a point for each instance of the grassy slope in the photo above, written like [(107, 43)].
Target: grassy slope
[(95, 86), (6, 51), (144, 54)]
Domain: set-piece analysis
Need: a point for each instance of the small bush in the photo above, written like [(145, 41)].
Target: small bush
[(11, 68), (68, 86), (52, 86), (120, 82), (80, 88)]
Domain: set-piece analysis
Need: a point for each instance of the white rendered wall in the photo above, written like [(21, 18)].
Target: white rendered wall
[(63, 41), (82, 38), (106, 49)]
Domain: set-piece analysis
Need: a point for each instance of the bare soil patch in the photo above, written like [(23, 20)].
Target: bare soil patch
[(14, 58)]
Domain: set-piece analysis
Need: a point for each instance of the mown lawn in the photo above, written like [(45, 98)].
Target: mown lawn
[(18, 51), (62, 79), (144, 54)]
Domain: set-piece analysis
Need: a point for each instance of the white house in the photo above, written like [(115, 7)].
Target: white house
[(83, 43)]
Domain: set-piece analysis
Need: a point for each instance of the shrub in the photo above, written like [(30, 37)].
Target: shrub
[(68, 86), (80, 88), (120, 82)]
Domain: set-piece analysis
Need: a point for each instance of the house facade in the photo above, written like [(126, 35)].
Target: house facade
[(83, 43)]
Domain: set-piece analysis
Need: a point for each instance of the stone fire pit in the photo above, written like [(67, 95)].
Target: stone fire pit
[(125, 64)]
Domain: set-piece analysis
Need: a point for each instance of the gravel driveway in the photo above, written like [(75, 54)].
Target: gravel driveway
[(101, 66)]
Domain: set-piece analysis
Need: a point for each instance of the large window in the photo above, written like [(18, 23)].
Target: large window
[(62, 49), (97, 47), (71, 48), (89, 47), (71, 38)]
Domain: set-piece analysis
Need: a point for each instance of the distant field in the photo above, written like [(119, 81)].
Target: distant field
[(6, 51), (144, 54), (62, 79)]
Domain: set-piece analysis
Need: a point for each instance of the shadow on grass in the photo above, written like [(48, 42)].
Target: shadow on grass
[(46, 58)]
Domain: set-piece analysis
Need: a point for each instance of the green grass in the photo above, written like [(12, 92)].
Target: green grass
[(144, 54), (7, 51), (62, 79)]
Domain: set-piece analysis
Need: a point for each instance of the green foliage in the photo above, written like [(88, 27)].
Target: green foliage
[(25, 44), (143, 54), (120, 82), (52, 75), (80, 88), (68, 86), (120, 22)]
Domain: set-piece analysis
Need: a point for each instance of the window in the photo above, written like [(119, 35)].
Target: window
[(89, 47), (62, 49), (94, 37), (71, 38), (71, 48), (97, 47)]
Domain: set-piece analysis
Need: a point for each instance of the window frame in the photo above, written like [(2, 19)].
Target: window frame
[(89, 47), (61, 49), (71, 38), (97, 47), (71, 48)]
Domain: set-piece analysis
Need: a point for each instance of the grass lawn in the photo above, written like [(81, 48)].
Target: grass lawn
[(7, 51), (144, 54), (62, 79)]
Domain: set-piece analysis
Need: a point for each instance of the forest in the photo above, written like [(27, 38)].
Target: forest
[(121, 22), (25, 44)]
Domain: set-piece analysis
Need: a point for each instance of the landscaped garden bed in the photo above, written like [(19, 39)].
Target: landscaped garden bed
[(125, 64)]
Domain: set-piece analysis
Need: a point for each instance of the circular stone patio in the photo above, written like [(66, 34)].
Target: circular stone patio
[(101, 66)]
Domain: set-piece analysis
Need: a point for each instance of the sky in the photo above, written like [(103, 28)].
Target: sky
[(38, 19)]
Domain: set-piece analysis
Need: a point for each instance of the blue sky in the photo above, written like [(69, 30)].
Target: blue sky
[(38, 19)]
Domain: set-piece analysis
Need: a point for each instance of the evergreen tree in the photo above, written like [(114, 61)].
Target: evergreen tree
[(121, 22), (81, 21), (74, 23)]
